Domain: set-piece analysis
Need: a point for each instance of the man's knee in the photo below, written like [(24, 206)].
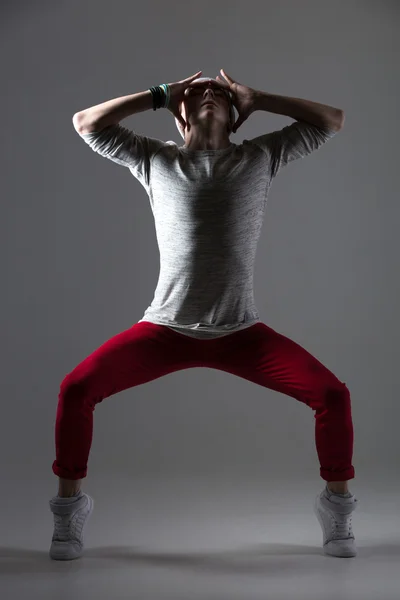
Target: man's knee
[(73, 389), (337, 398)]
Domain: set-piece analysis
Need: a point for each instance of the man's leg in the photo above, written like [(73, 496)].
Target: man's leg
[(268, 358), (272, 360), (68, 487), (338, 487), (136, 356)]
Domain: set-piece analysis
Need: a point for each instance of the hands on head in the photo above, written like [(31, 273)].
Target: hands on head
[(241, 96)]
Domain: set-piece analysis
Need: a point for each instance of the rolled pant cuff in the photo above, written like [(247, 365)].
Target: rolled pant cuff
[(338, 475), (67, 473)]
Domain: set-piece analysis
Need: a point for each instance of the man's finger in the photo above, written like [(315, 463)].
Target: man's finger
[(193, 76), (223, 83)]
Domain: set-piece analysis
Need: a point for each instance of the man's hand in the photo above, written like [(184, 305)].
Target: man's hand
[(243, 98)]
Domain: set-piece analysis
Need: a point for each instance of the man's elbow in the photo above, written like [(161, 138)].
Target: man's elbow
[(334, 122), (82, 125), (342, 118), (77, 121), (338, 123)]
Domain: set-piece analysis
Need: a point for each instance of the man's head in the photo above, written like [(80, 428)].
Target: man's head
[(206, 102)]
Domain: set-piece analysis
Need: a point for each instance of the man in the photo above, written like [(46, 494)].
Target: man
[(208, 199)]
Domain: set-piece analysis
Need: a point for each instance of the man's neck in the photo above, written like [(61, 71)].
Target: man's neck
[(207, 143)]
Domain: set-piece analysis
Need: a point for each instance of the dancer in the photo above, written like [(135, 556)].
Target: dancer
[(208, 198)]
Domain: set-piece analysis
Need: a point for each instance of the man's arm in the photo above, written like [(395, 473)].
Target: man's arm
[(111, 112), (319, 115)]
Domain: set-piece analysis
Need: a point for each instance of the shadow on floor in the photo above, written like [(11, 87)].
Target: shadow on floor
[(245, 560)]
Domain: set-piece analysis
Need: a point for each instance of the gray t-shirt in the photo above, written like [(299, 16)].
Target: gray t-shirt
[(208, 208)]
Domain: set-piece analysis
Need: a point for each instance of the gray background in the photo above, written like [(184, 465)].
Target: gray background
[(79, 264)]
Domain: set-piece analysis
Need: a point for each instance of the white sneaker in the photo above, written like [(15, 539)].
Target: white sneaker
[(70, 519), (335, 515)]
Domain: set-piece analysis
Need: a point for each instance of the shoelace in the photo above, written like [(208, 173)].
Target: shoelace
[(342, 527), (64, 527), (61, 527)]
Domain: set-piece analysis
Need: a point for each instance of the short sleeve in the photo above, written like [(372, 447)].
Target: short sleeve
[(292, 142), (126, 148)]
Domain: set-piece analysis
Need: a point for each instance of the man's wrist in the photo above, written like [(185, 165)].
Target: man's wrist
[(259, 100)]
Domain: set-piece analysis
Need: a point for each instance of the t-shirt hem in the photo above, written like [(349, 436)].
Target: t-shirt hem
[(204, 333)]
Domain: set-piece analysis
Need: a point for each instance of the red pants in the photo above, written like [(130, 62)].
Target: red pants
[(259, 354)]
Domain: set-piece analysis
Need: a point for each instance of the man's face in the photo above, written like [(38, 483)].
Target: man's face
[(206, 100)]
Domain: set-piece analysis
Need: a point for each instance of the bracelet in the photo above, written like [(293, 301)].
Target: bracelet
[(161, 96)]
